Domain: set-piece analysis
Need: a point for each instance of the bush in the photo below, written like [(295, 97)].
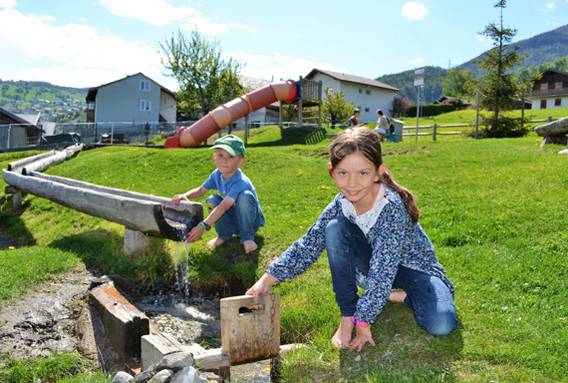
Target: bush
[(432, 109), (505, 127)]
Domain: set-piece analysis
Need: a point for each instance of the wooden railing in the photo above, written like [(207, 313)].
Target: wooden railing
[(436, 130)]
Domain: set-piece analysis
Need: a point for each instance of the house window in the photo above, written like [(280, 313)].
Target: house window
[(366, 109), (542, 104), (558, 85), (145, 105), (544, 86), (144, 86), (91, 105), (557, 102), (368, 91)]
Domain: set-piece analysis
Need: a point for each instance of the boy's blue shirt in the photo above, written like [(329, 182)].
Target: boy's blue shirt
[(232, 187)]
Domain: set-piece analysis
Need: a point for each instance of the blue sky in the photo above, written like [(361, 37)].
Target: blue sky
[(84, 43)]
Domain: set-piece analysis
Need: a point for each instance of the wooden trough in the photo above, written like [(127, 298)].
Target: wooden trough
[(148, 214)]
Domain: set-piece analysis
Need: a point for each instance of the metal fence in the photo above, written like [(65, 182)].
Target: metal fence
[(116, 132), (19, 135)]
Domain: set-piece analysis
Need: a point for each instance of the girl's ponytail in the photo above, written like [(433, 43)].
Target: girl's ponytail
[(407, 197)]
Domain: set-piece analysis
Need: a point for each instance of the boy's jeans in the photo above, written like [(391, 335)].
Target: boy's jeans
[(427, 296), (241, 219)]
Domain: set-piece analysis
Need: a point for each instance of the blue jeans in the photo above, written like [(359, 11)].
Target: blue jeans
[(242, 219), (427, 296)]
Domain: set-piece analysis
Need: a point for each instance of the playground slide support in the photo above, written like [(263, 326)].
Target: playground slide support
[(231, 111)]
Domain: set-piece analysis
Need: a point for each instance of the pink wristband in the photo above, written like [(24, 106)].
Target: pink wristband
[(359, 323)]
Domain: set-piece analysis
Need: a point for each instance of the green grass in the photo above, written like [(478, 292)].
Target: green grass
[(62, 368), (23, 268), (494, 209), (468, 116)]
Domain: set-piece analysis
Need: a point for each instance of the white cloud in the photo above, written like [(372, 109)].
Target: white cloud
[(7, 4), (414, 10), (483, 39), (160, 13), (155, 12), (416, 61), (71, 54), (550, 5), (244, 27), (277, 66)]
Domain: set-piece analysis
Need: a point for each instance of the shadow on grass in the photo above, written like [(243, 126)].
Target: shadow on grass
[(226, 270), (404, 352), (295, 135), (102, 253), (13, 226)]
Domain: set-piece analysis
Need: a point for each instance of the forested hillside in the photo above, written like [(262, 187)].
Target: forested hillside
[(56, 103)]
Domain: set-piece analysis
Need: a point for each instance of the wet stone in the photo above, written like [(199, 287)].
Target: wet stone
[(122, 377)]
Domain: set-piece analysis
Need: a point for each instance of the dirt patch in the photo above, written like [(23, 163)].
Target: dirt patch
[(44, 321)]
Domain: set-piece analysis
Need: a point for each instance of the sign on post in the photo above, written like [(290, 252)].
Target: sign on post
[(419, 77), (418, 83)]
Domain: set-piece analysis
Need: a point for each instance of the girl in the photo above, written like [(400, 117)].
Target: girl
[(373, 240)]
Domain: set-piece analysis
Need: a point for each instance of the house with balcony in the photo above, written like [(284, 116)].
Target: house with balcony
[(550, 91), (135, 99), (366, 94)]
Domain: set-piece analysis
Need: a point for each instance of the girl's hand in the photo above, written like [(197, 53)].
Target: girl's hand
[(195, 234), (363, 336), (178, 198), (262, 286)]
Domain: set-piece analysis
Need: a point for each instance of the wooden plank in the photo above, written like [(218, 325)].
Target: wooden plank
[(124, 324), (250, 332)]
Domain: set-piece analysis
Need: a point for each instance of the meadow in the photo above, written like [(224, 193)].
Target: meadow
[(494, 209)]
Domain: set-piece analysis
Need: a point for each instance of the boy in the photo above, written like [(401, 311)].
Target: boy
[(236, 208)]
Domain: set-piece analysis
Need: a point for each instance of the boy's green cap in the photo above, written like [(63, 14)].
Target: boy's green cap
[(231, 144)]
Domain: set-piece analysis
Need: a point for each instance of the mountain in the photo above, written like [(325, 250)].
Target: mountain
[(537, 50), (56, 103)]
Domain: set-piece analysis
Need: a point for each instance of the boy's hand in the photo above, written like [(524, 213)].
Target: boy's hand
[(195, 234), (363, 336), (178, 198)]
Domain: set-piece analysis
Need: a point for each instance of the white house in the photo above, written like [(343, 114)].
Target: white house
[(135, 99), (366, 94), (550, 91)]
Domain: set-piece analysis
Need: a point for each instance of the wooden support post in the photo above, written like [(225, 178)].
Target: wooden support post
[(300, 117), (280, 114), (246, 129), (435, 127), (17, 200), (124, 324)]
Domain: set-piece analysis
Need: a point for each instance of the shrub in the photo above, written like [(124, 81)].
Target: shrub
[(432, 109), (505, 127)]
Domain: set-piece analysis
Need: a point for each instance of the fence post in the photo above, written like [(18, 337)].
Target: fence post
[(549, 118), (111, 133), (434, 132), (246, 129)]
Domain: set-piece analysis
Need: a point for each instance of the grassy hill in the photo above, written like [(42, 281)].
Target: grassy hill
[(56, 103), (494, 209)]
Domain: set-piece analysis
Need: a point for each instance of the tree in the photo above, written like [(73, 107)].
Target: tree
[(204, 77), (498, 87), (459, 83), (400, 105), (335, 108)]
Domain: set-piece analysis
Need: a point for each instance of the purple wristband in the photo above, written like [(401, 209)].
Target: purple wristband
[(359, 323)]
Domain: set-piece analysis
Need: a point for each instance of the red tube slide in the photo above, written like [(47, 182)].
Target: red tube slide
[(190, 136)]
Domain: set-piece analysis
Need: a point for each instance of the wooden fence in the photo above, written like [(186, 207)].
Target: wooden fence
[(436, 130)]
